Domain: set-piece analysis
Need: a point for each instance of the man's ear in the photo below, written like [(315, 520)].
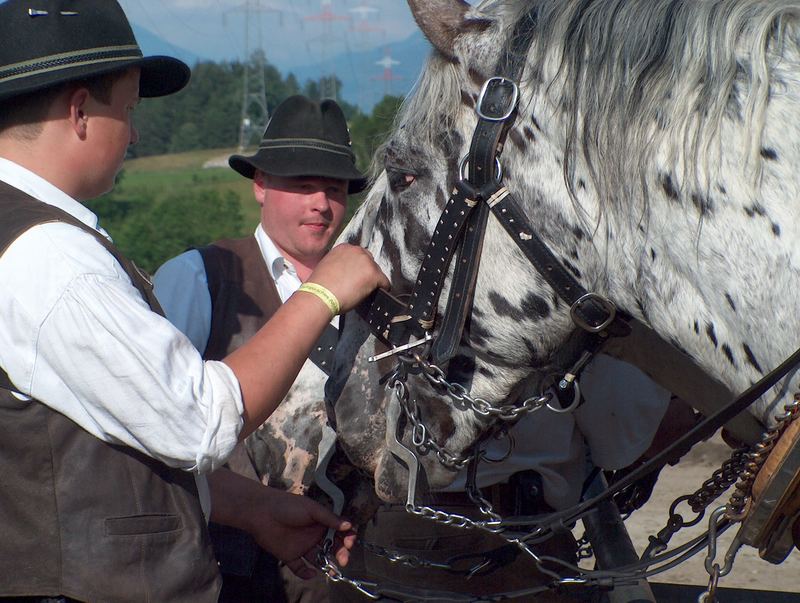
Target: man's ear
[(259, 187), (78, 117)]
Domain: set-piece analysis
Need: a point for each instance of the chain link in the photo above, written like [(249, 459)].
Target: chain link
[(737, 506), (455, 519), (420, 436), (404, 558), (506, 412), (329, 568), (722, 479)]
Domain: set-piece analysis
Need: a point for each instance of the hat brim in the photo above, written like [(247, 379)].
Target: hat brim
[(292, 163), (160, 76)]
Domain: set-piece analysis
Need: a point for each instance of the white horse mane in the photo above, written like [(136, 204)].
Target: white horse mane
[(648, 77)]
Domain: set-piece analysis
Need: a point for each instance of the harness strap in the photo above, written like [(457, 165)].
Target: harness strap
[(592, 312), (496, 108), (462, 288), (433, 271)]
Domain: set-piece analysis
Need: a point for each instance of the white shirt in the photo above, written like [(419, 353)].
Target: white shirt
[(78, 336)]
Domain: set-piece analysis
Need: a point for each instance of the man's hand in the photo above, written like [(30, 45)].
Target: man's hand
[(294, 528), (350, 273), (289, 526)]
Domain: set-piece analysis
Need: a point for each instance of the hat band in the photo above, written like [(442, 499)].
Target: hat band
[(70, 59), (306, 143)]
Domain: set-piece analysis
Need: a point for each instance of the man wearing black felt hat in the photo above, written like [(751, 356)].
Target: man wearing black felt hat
[(222, 294), (109, 417)]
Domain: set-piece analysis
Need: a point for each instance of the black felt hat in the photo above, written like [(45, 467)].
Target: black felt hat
[(49, 42), (304, 138)]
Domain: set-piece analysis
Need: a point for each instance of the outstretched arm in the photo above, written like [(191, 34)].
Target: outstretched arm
[(287, 525), (266, 366)]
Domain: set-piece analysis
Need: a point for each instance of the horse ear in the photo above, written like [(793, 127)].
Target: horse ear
[(442, 21)]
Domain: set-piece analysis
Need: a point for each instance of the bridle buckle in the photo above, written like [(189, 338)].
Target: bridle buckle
[(606, 304), (497, 115)]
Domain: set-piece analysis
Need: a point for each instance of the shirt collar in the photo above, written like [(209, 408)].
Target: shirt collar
[(273, 257), (37, 187)]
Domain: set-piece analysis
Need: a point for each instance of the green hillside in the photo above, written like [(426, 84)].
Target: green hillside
[(165, 204)]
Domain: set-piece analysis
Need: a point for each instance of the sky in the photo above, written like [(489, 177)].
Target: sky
[(291, 32)]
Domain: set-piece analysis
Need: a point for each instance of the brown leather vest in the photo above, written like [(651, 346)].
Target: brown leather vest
[(243, 294), (86, 519), (243, 298)]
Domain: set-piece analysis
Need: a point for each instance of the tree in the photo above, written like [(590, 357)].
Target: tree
[(151, 232), (369, 132)]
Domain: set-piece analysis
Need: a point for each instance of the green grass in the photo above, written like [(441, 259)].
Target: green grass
[(161, 176)]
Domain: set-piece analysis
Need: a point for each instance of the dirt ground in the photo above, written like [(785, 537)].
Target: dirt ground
[(749, 570)]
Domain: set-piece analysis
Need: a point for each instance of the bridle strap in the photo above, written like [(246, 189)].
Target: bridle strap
[(462, 288), (591, 312), (496, 108)]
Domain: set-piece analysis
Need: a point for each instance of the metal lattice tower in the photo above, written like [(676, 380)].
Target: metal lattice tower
[(255, 113), (327, 81)]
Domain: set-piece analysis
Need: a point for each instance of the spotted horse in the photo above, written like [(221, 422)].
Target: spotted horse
[(647, 157)]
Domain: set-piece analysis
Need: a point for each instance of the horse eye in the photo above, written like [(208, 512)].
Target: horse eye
[(399, 180)]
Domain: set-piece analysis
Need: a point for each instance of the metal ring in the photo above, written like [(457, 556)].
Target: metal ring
[(573, 405), (606, 304), (498, 175)]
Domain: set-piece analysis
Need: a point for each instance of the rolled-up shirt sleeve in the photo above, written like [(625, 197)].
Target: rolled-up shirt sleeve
[(88, 346)]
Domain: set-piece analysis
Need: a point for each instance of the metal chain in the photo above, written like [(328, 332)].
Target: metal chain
[(737, 506), (403, 558), (455, 519), (331, 570), (420, 436), (744, 463), (506, 412), (722, 479)]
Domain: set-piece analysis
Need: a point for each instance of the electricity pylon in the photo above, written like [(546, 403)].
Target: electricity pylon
[(255, 113)]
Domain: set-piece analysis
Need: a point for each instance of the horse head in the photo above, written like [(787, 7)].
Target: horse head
[(653, 152)]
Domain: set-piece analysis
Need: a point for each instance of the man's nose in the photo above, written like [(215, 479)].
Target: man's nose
[(320, 201)]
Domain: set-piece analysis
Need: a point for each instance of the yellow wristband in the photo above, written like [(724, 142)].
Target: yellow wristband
[(328, 298)]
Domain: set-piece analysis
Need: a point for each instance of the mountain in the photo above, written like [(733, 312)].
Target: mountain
[(153, 44), (361, 76)]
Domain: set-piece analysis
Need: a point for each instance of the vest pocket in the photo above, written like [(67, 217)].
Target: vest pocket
[(142, 524)]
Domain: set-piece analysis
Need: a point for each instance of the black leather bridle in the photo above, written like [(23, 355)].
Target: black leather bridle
[(459, 233)]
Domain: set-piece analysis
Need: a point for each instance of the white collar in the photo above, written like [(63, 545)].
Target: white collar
[(37, 187), (273, 257)]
